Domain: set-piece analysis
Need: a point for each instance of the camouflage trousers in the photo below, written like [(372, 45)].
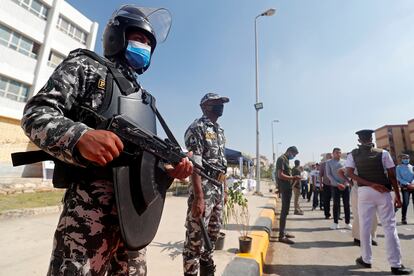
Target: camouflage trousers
[(192, 253), (87, 240)]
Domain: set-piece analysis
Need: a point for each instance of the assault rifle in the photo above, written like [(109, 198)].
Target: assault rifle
[(137, 139)]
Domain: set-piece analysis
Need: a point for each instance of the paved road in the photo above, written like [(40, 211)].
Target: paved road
[(25, 243), (321, 251)]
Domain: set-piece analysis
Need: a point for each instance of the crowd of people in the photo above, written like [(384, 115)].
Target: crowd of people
[(365, 182)]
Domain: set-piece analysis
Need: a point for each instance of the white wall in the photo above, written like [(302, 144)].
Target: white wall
[(21, 20), (35, 72), (16, 65)]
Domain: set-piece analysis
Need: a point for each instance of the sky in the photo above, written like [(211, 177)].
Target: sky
[(326, 68)]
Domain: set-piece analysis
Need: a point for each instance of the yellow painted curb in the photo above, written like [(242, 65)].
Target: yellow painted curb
[(260, 239), (267, 213)]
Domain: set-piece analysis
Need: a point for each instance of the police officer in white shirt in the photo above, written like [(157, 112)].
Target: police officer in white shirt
[(376, 176)]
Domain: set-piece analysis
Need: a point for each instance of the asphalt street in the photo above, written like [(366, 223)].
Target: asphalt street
[(26, 243), (321, 251)]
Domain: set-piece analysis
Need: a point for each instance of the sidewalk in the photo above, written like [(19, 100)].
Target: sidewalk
[(320, 251), (26, 242)]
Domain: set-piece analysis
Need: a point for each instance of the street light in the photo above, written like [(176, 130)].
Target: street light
[(273, 141), (277, 148), (258, 105)]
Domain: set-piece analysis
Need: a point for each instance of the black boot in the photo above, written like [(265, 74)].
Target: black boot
[(207, 268)]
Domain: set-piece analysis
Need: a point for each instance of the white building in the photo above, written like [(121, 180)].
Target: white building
[(35, 36)]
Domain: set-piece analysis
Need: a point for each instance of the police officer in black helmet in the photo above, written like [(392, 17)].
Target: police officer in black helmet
[(88, 239)]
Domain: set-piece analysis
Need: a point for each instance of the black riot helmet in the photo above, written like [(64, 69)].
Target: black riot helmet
[(155, 23)]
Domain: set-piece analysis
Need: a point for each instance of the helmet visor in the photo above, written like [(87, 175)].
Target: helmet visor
[(159, 18)]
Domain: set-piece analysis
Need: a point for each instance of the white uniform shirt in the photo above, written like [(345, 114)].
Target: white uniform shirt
[(315, 178), (387, 161), (304, 175)]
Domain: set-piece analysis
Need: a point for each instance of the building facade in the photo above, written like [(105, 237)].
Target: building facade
[(35, 36), (411, 133), (394, 138)]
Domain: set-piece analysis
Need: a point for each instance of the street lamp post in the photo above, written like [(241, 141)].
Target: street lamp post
[(277, 148), (258, 105), (273, 141)]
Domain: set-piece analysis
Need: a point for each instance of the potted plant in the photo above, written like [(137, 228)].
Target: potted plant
[(242, 219), (241, 215), (235, 197)]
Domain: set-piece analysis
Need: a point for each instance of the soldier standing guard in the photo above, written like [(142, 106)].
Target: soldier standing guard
[(205, 138), (375, 178), (88, 239)]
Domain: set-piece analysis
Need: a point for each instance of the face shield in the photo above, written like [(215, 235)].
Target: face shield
[(158, 19)]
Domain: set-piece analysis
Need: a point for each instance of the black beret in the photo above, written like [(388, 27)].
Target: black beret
[(364, 132)]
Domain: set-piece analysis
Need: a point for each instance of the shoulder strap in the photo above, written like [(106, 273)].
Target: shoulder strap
[(117, 75), (151, 100), (125, 87)]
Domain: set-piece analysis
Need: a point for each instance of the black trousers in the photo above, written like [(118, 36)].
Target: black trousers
[(327, 195), (406, 201), (286, 194), (310, 191), (337, 194), (317, 199)]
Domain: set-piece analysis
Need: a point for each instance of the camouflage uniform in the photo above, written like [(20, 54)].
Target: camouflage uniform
[(87, 240), (206, 140)]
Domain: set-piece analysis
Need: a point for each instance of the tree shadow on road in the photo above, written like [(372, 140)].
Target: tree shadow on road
[(319, 270), (174, 249)]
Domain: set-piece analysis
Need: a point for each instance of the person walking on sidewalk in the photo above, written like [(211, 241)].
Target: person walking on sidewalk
[(376, 178), (285, 180), (339, 188), (405, 177), (296, 189), (316, 180), (205, 138), (326, 193), (311, 184), (354, 209), (304, 180)]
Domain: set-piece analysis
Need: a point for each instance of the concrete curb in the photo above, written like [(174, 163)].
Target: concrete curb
[(26, 212), (251, 264), (17, 213)]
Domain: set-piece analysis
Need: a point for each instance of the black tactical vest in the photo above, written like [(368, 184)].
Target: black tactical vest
[(129, 100), (368, 161)]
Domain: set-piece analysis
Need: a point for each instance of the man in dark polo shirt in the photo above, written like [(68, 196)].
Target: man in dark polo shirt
[(285, 180)]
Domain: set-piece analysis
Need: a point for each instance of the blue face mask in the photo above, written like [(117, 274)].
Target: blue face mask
[(290, 156), (138, 54), (405, 161)]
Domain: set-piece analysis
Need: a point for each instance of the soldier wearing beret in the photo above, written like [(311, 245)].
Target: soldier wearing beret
[(205, 138), (376, 178)]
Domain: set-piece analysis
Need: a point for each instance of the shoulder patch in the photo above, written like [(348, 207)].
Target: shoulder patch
[(101, 84), (211, 135)]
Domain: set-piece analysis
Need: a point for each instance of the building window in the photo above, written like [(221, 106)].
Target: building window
[(18, 42), (13, 90), (72, 30), (34, 6), (54, 59)]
